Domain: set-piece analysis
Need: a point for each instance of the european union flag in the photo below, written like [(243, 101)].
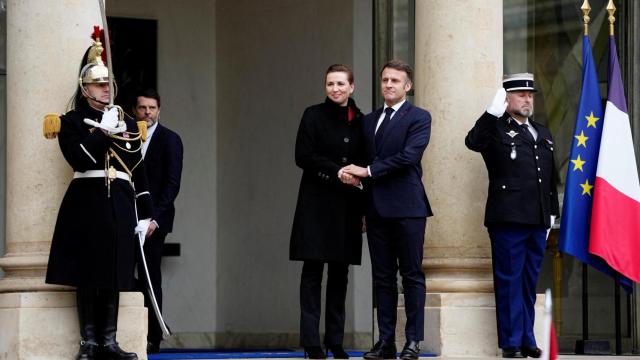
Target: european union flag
[(581, 173)]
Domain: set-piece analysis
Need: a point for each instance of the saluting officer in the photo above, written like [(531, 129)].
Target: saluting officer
[(93, 246), (521, 206)]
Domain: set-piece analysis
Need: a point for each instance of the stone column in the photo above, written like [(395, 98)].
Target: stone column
[(459, 51), (45, 43)]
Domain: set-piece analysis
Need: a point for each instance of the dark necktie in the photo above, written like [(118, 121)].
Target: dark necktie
[(385, 122), (526, 133)]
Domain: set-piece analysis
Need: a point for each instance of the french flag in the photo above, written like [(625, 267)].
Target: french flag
[(615, 220)]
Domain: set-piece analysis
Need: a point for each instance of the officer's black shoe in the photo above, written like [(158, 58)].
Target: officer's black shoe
[(114, 352), (381, 350), (531, 351), (153, 347), (410, 351), (512, 353), (88, 350)]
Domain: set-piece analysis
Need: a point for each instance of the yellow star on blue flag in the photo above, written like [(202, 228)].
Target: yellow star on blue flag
[(591, 120), (577, 163), (586, 187), (582, 140)]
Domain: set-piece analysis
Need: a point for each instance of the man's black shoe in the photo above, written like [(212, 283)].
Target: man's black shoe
[(512, 353), (381, 350), (531, 351), (410, 351)]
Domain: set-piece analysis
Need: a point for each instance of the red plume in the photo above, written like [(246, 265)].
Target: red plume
[(98, 35)]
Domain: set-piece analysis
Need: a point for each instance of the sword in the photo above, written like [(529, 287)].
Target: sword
[(154, 303), (163, 326)]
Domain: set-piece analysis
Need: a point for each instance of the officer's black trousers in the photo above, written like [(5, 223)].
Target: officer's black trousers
[(310, 303)]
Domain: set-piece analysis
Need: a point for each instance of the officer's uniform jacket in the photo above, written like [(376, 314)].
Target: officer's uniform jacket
[(522, 187), (94, 240)]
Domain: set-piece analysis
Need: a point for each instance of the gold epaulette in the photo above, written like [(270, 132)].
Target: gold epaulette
[(142, 127), (51, 126)]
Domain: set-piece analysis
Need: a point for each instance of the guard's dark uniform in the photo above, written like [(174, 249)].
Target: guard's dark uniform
[(522, 197), (94, 242)]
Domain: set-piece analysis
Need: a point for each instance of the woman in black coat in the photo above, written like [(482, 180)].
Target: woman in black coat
[(94, 242), (327, 227)]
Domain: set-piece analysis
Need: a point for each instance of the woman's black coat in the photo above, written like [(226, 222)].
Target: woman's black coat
[(328, 220), (93, 242)]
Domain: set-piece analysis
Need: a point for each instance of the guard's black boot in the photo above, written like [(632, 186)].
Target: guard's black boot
[(85, 304), (109, 349)]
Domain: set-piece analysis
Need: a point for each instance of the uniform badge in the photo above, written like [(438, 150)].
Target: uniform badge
[(512, 133)]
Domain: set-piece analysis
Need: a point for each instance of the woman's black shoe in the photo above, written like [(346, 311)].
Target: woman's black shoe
[(314, 352), (337, 352)]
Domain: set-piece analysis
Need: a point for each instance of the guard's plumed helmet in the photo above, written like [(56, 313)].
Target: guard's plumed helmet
[(95, 71)]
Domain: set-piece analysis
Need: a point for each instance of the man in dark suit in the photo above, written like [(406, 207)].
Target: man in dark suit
[(396, 137), (162, 154), (521, 206)]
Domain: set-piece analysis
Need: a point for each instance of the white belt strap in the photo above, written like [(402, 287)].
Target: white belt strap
[(100, 174)]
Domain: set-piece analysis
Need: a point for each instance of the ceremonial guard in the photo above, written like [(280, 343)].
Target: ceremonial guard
[(521, 206), (94, 244)]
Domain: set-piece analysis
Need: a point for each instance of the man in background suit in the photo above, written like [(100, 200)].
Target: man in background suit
[(162, 154), (396, 137)]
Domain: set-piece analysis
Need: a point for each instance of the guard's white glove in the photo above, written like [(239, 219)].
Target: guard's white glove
[(553, 221), (499, 103), (143, 226), (109, 122)]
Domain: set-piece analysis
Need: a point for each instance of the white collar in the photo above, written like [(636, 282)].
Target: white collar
[(395, 107)]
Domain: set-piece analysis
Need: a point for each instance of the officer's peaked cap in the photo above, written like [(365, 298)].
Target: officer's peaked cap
[(518, 82)]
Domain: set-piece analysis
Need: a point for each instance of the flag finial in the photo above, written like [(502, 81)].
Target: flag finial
[(586, 9), (612, 19)]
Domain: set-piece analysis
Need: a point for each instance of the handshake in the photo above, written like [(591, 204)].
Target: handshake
[(352, 175)]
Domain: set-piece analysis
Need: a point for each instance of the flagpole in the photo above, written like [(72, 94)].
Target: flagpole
[(586, 9), (611, 9), (583, 346)]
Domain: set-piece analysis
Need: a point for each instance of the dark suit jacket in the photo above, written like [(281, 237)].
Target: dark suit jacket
[(522, 187), (396, 188), (163, 161)]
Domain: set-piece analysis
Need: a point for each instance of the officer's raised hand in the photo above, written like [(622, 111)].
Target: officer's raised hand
[(499, 103)]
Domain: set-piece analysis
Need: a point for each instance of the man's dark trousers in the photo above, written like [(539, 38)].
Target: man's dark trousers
[(397, 244), (153, 255), (517, 252)]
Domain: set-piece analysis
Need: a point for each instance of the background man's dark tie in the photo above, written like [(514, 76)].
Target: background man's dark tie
[(385, 122)]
